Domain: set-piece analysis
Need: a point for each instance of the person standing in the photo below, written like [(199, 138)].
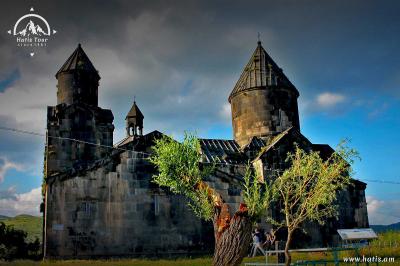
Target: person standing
[(257, 243)]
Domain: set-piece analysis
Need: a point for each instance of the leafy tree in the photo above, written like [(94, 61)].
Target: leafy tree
[(307, 191), (179, 169), (308, 188), (14, 246)]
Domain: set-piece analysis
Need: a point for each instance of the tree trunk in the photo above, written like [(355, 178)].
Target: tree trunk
[(232, 235), (288, 257)]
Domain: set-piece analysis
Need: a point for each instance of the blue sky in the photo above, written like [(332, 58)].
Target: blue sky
[(181, 60)]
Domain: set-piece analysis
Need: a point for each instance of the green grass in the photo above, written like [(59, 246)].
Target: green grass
[(124, 262), (178, 262), (32, 225), (379, 247), (387, 245)]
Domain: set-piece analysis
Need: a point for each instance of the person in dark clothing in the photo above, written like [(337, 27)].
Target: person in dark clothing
[(257, 244)]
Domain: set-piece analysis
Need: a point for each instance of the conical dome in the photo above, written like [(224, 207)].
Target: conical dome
[(78, 80), (263, 101), (260, 71), (79, 61)]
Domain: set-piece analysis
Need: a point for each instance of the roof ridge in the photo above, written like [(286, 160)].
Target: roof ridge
[(217, 139)]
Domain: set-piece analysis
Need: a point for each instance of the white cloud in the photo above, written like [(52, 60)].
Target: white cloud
[(383, 211), (378, 111), (329, 99), (327, 102), (7, 165), (24, 203), (225, 112)]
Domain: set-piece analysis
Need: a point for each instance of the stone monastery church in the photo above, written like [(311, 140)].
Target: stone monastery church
[(100, 201)]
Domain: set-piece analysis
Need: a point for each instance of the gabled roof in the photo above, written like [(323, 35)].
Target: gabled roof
[(325, 151), (124, 141), (278, 138), (221, 151), (149, 137), (134, 112), (259, 71), (78, 60), (255, 143)]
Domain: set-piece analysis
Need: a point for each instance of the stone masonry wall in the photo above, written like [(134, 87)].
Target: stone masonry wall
[(80, 122), (263, 112), (116, 210)]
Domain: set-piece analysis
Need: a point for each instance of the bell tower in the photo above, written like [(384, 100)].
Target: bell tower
[(134, 121), (263, 101), (78, 130)]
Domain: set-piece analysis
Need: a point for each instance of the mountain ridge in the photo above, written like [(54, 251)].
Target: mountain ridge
[(33, 29), (384, 228), (32, 225)]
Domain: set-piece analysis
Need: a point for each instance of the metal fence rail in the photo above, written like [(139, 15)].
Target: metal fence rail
[(334, 261)]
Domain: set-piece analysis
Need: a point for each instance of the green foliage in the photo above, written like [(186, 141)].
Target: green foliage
[(179, 170), (202, 205), (308, 188), (13, 244), (32, 225), (387, 245), (256, 195)]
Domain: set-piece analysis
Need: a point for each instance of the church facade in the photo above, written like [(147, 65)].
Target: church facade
[(99, 200)]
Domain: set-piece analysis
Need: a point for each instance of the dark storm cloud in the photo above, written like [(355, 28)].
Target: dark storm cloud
[(182, 58)]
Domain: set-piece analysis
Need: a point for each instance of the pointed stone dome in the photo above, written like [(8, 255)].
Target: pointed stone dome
[(263, 101), (134, 112), (78, 61), (261, 71), (134, 121), (78, 80)]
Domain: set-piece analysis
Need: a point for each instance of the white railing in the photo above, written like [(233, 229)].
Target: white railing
[(268, 252)]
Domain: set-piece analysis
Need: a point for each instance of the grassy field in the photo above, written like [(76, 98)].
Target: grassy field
[(124, 262), (388, 245), (179, 262), (32, 225)]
